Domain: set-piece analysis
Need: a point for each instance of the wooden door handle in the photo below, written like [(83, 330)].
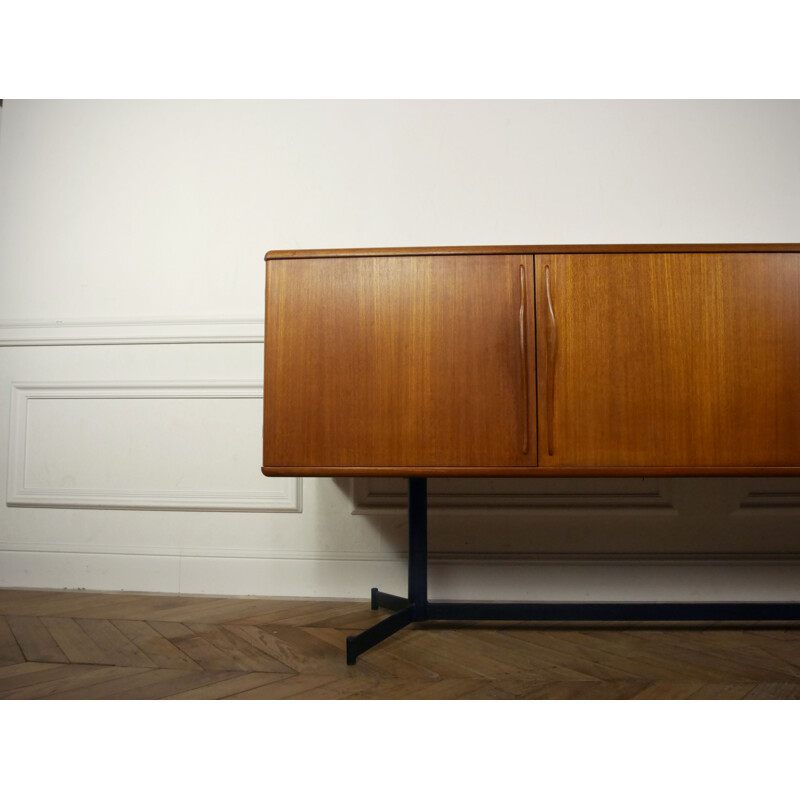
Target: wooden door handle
[(523, 355), (550, 363)]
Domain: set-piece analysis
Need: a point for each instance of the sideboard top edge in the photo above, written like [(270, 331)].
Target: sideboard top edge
[(536, 249)]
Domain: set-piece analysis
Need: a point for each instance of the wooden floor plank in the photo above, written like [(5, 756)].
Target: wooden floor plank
[(355, 621), (304, 612), (202, 652), (782, 655), (167, 686), (373, 688), (580, 690), (67, 604), (447, 689), (202, 608), (340, 615), (668, 690), (555, 650), (394, 688), (247, 656), (301, 651), (223, 689), (35, 640), (774, 691), (340, 689), (524, 657), (28, 674), (484, 661), (10, 670), (723, 691), (707, 661), (121, 650), (205, 610), (135, 679), (417, 645), (507, 655), (158, 648), (109, 687), (638, 661), (258, 612), (272, 610), (11, 600), (10, 652), (38, 603), (789, 632), (188, 609), (390, 664), (490, 691), (124, 605), (73, 641), (243, 609), (127, 605), (647, 658), (316, 655), (84, 645), (284, 689), (75, 676)]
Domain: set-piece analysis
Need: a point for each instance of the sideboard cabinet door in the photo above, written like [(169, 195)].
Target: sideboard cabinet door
[(424, 361), (669, 359)]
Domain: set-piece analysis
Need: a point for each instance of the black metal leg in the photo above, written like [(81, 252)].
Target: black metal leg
[(416, 608), (418, 547), (390, 601), (377, 633)]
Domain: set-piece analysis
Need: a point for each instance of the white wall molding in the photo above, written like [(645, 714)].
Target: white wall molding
[(475, 559), (176, 330), (316, 576), (279, 494), (770, 501), (381, 495)]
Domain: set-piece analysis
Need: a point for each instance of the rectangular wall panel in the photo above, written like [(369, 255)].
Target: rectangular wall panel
[(188, 446), (526, 494)]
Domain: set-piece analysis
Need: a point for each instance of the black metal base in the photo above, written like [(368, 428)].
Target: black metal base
[(417, 608)]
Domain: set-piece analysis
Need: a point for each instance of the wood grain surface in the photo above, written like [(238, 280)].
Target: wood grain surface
[(669, 360), (455, 361), (404, 362), (532, 249)]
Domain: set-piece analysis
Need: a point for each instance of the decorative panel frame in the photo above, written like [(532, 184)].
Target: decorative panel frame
[(280, 494)]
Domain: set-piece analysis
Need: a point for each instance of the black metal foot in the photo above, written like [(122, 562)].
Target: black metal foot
[(389, 601), (414, 608), (377, 633)]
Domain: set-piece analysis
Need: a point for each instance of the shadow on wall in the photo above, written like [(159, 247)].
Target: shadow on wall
[(578, 518)]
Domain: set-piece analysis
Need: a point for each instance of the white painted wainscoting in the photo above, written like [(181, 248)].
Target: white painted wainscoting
[(133, 457), (131, 294), (118, 445)]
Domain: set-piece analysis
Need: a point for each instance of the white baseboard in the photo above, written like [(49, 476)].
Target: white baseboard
[(448, 579)]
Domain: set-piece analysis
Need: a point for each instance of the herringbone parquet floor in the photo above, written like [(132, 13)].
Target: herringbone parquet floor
[(84, 645)]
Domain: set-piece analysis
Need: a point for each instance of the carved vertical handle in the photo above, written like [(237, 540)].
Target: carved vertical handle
[(550, 364), (523, 355)]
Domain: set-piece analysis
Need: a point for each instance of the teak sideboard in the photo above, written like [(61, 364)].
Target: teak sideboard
[(537, 360)]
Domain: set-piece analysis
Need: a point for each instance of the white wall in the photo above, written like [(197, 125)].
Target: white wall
[(131, 276)]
